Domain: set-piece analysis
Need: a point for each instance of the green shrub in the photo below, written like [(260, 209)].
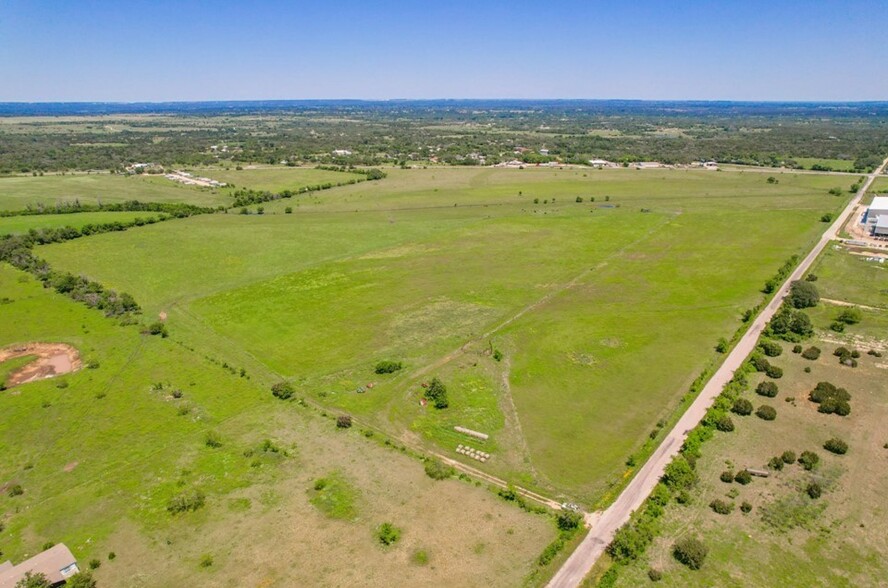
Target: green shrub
[(850, 316), (768, 389), (679, 474), (15, 490), (803, 294), (770, 348), (94, 564), (420, 557), (812, 353), (775, 463), (743, 477), (809, 460), (436, 393), (158, 328), (568, 520), (766, 413), (206, 561), (213, 439), (655, 575), (690, 551), (788, 457), (388, 534), (727, 476), (344, 421), (814, 490), (497, 355), (387, 367), (437, 470), (186, 502), (724, 424), (742, 406), (837, 326), (796, 348), (722, 346), (745, 508), (774, 372), (836, 445), (759, 362), (283, 390), (721, 507)]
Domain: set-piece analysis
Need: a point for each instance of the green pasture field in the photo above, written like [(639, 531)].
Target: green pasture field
[(835, 164), (20, 192), (100, 453), (880, 185), (275, 179), (851, 277), (835, 540), (605, 311), (22, 224)]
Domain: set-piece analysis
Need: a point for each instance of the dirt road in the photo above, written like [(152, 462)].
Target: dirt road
[(587, 553)]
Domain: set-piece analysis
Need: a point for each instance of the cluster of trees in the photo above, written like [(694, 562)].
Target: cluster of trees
[(172, 209), (831, 399), (16, 250), (782, 273), (790, 325), (848, 316)]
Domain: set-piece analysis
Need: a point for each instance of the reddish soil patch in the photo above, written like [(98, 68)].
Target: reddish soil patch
[(162, 316), (70, 467), (53, 359)]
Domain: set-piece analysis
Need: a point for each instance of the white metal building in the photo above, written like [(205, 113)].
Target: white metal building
[(876, 217)]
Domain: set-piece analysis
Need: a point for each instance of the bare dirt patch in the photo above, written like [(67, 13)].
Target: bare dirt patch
[(70, 467), (53, 359)]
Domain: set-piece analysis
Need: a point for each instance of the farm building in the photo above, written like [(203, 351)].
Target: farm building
[(57, 563), (876, 217)]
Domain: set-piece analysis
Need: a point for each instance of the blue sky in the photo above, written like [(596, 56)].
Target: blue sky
[(66, 50)]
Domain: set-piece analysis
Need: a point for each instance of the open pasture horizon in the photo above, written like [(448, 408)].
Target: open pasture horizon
[(604, 311)]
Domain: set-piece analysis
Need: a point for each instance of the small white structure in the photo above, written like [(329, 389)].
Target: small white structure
[(876, 217), (57, 563), (648, 165), (544, 151), (341, 152), (601, 163)]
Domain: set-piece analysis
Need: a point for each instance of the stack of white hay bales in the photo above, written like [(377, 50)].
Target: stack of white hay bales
[(472, 452)]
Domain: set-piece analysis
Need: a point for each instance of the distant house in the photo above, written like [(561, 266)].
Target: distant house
[(341, 152), (56, 563), (876, 217), (601, 163), (544, 151)]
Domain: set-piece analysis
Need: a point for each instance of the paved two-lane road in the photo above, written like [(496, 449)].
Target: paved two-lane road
[(587, 553)]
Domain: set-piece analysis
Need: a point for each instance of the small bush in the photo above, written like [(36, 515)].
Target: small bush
[(387, 367), (742, 406), (874, 353), (388, 534), (836, 445), (436, 393), (420, 557), (94, 564), (766, 413), (776, 463), (213, 439), (206, 561), (15, 490), (655, 575), (186, 502), (721, 507), (343, 421), (770, 348), (809, 460), (814, 490), (437, 470), (158, 328), (807, 369), (774, 372), (850, 316), (722, 346), (812, 353), (690, 551), (743, 477), (796, 348), (112, 556), (745, 508), (283, 390), (727, 476), (724, 424), (788, 457), (768, 389), (497, 355), (568, 520)]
